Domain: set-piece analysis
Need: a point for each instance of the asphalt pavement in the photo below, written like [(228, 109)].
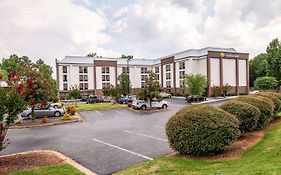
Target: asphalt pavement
[(108, 141)]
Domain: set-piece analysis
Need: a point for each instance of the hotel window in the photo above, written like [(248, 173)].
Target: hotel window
[(182, 73), (125, 70), (86, 86), (157, 77), (168, 76), (83, 69), (83, 77), (64, 69), (181, 83), (105, 78), (182, 65), (64, 78), (143, 77), (168, 84), (81, 86), (105, 70), (143, 70), (105, 85), (157, 69), (168, 67), (65, 86), (142, 84)]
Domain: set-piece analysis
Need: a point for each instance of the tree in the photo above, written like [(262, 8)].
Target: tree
[(151, 89), (13, 63), (125, 84), (195, 84), (266, 83), (74, 93), (274, 59), (258, 67), (12, 102), (93, 54)]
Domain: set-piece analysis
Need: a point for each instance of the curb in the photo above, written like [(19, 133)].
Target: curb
[(216, 100), (78, 119), (61, 156)]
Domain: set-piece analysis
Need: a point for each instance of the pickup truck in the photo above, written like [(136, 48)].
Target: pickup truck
[(140, 104)]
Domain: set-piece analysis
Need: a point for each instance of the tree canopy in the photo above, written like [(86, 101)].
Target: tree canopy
[(124, 84)]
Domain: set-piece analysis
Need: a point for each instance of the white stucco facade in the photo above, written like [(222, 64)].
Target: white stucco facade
[(207, 61)]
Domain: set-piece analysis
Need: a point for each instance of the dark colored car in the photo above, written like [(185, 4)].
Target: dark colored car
[(191, 99), (84, 98), (93, 99), (124, 100)]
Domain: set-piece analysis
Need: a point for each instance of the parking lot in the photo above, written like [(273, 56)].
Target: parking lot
[(108, 140)]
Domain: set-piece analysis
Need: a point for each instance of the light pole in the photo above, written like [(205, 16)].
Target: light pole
[(128, 59)]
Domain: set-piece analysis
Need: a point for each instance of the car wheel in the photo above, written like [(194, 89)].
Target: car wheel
[(29, 116), (164, 106), (143, 107), (57, 114)]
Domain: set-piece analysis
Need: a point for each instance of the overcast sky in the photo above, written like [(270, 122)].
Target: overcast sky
[(51, 29)]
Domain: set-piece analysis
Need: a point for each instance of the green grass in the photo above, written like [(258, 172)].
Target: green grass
[(264, 158), (100, 106), (60, 169)]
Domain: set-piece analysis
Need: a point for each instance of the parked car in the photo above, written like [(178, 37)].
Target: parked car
[(253, 92), (42, 112), (165, 95), (124, 100), (106, 99), (195, 98), (93, 99), (141, 104), (56, 105), (84, 98)]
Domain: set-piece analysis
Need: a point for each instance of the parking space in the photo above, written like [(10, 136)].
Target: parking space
[(108, 140)]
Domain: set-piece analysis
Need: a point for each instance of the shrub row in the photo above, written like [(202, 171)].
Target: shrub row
[(201, 130), (205, 130)]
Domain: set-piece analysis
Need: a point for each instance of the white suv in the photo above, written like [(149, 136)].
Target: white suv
[(140, 104)]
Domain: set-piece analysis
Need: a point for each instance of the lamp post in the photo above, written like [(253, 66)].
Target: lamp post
[(128, 59)]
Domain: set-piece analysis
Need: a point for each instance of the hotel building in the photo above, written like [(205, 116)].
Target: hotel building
[(220, 65)]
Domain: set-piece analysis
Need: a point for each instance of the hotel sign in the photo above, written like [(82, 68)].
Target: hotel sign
[(232, 55)]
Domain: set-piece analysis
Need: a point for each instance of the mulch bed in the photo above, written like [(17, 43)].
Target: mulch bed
[(18, 162), (38, 122), (236, 149)]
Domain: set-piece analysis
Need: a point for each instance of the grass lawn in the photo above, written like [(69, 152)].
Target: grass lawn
[(100, 106), (61, 169), (263, 158)]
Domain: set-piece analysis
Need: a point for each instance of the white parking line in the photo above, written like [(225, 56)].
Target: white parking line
[(157, 126), (143, 135), (99, 113), (134, 153), (118, 112)]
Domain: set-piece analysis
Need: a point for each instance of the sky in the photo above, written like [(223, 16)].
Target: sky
[(50, 29)]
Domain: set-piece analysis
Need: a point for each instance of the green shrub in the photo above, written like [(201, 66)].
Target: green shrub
[(247, 114), (277, 95), (264, 105), (266, 83), (274, 99), (201, 130)]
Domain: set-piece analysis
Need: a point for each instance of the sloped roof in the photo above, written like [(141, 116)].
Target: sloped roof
[(143, 61)]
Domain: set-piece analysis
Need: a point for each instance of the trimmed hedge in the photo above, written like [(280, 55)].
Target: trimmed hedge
[(274, 99), (247, 114), (264, 105), (201, 130)]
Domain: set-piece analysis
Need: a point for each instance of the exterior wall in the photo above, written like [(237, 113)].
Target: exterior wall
[(232, 69), (229, 72), (242, 73), (98, 78), (215, 72)]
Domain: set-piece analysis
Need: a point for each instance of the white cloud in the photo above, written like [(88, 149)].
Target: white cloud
[(50, 29), (161, 27)]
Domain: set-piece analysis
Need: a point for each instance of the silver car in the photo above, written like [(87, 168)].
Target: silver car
[(42, 112)]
